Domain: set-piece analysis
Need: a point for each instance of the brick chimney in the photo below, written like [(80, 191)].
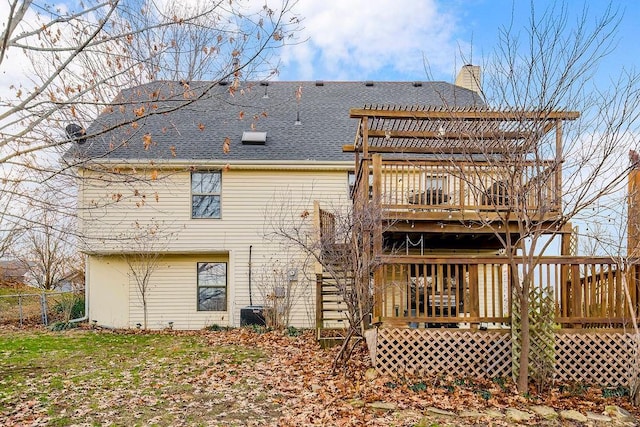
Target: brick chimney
[(470, 78)]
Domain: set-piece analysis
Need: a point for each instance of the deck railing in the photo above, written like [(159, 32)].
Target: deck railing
[(327, 225), (470, 292), (459, 186)]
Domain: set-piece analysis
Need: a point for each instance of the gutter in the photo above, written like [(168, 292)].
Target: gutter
[(237, 164)]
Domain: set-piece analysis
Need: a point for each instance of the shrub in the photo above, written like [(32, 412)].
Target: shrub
[(62, 326), (70, 307), (259, 329), (619, 391), (292, 331)]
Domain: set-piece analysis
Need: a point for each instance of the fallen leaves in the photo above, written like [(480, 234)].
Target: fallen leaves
[(147, 141), (233, 377)]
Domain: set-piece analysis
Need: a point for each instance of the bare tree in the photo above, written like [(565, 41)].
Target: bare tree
[(543, 80), (12, 224), (78, 60), (282, 284), (46, 249), (143, 253), (339, 241), (615, 232)]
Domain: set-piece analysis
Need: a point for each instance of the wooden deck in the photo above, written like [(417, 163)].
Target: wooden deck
[(475, 292), (431, 190), (462, 180), (465, 181)]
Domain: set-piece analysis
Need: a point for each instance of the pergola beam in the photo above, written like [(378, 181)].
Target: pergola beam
[(464, 114), (448, 135), (443, 149)]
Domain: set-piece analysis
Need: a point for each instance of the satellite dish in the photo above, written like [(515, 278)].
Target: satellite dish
[(76, 133)]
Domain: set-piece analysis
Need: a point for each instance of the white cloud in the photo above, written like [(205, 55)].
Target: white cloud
[(15, 69), (371, 39)]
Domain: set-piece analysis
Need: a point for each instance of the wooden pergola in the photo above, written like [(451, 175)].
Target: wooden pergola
[(390, 140), (438, 130)]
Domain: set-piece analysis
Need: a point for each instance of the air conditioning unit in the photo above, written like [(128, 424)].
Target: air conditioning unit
[(252, 315)]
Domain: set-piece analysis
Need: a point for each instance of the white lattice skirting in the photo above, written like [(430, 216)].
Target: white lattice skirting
[(603, 359)]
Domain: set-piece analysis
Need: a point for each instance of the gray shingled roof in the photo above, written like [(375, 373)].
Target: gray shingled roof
[(197, 131)]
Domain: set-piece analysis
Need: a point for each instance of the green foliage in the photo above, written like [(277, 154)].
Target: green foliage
[(391, 385), (217, 328), (70, 306), (462, 382), (424, 422), (62, 326), (449, 388), (77, 309), (259, 329), (574, 389), (485, 394), (501, 382), (619, 391), (419, 386), (292, 331)]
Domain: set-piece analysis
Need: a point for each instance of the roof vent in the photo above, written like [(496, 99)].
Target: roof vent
[(417, 84), (297, 122), (223, 82), (76, 133), (254, 138), (263, 83), (368, 83), (319, 82)]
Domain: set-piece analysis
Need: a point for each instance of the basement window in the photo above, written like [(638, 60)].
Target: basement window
[(254, 138), (212, 286)]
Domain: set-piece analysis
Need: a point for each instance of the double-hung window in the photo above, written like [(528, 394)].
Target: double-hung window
[(205, 194), (212, 286)]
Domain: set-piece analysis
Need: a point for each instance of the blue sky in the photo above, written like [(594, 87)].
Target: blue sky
[(393, 39)]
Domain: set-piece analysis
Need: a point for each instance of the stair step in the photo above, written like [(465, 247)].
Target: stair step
[(334, 316)]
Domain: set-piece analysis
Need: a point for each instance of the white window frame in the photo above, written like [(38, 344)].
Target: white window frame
[(215, 194), (212, 285)]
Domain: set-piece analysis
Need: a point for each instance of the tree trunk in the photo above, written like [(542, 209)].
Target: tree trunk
[(523, 374), (144, 311)]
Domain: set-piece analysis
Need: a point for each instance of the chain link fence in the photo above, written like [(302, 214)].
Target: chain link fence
[(41, 308)]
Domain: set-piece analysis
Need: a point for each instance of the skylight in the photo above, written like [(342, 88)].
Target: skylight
[(254, 138)]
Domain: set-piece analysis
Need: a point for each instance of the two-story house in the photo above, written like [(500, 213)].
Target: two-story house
[(180, 182)]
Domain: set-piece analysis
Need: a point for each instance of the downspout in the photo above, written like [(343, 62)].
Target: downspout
[(86, 294), (250, 293)]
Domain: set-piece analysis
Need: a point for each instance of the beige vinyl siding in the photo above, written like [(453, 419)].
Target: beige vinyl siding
[(108, 291), (117, 212), (173, 294)]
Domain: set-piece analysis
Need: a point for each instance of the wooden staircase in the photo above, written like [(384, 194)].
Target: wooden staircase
[(332, 320)]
